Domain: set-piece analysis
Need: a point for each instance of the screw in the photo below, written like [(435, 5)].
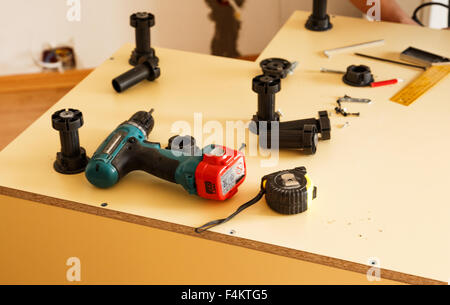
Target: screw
[(294, 66), (343, 111), (354, 114), (345, 125)]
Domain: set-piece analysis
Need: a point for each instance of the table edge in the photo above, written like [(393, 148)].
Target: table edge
[(218, 237)]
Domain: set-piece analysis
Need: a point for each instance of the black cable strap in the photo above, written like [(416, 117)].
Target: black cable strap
[(248, 204)]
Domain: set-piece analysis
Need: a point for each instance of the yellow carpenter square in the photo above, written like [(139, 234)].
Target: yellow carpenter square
[(422, 84)]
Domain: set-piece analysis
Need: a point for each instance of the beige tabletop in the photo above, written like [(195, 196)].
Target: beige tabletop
[(381, 181)]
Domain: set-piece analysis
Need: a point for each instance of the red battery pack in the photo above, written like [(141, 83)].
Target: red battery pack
[(220, 173)]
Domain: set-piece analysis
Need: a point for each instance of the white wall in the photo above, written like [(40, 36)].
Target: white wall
[(181, 24), (336, 7), (438, 15)]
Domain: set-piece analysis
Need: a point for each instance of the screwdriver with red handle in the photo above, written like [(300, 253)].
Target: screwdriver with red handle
[(386, 82)]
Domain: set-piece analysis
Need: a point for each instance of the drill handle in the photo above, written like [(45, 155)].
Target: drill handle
[(136, 156)]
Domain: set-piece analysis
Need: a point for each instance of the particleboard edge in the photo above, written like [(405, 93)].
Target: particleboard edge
[(218, 237)]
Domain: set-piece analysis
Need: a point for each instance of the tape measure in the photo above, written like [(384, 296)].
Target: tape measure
[(287, 192), (422, 84)]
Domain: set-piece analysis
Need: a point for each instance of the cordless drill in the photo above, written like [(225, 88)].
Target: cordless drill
[(212, 173)]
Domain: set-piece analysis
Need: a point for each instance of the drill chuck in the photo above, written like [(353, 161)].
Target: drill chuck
[(143, 120)]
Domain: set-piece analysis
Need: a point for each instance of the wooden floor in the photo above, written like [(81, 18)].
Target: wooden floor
[(23, 98)]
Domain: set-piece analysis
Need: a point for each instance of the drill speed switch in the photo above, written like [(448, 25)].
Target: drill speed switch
[(212, 173)]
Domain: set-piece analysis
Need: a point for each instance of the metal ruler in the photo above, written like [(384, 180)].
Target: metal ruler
[(422, 84)]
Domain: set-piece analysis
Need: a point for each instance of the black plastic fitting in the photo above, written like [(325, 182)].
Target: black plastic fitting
[(319, 21), (72, 158), (322, 125), (266, 87), (276, 67), (305, 139), (145, 70), (184, 144), (358, 76), (142, 22)]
